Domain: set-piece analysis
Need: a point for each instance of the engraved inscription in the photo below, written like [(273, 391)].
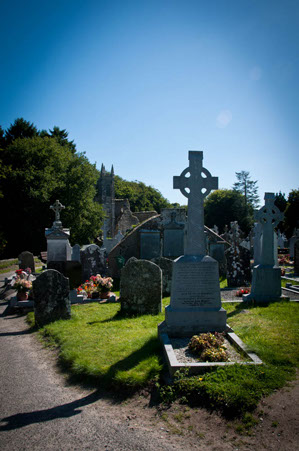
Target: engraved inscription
[(196, 285)]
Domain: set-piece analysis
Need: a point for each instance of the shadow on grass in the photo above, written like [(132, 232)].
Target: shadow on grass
[(110, 388)]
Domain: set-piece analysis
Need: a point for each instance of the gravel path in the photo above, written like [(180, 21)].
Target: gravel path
[(39, 411)]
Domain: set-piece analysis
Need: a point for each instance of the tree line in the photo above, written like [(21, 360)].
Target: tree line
[(39, 166)]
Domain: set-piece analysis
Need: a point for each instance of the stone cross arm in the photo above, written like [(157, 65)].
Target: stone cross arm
[(200, 182)]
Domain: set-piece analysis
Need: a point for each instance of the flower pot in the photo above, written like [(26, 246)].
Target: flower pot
[(22, 296), (105, 294)]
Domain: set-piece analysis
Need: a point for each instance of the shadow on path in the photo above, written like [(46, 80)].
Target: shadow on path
[(40, 416)]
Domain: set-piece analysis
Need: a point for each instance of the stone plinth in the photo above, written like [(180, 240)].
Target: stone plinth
[(266, 284), (58, 246), (195, 301)]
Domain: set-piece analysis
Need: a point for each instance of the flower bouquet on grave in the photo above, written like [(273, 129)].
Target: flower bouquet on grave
[(242, 291), (103, 285), (22, 284), (86, 289)]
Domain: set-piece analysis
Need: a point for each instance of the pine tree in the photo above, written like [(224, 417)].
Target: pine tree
[(248, 188)]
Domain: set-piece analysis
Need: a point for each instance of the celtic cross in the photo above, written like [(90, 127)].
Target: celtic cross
[(195, 187), (269, 216), (57, 207)]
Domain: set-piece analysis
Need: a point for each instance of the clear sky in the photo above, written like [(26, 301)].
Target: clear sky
[(138, 83)]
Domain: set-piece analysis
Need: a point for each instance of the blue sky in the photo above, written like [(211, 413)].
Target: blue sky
[(139, 83)]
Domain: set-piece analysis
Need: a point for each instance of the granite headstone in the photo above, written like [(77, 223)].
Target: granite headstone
[(195, 304), (26, 260), (51, 297), (141, 288)]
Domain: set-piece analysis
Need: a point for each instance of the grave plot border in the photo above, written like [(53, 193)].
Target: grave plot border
[(174, 365)]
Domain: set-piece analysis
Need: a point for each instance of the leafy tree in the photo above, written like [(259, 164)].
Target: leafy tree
[(280, 201), (43, 171), (223, 206), (291, 219), (61, 137), (20, 129), (248, 188), (141, 196)]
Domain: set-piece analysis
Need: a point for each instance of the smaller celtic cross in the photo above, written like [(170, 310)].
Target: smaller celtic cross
[(269, 216), (195, 187), (57, 207)]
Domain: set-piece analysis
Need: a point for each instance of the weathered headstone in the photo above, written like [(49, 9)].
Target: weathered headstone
[(58, 246), (266, 278), (141, 288), (257, 243), (51, 297), (93, 261), (195, 304), (149, 244), (217, 251), (26, 260), (296, 257), (293, 240), (173, 237), (76, 253), (280, 240), (238, 258), (166, 265)]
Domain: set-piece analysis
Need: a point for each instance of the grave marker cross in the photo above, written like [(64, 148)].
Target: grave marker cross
[(199, 184), (269, 216), (57, 207)]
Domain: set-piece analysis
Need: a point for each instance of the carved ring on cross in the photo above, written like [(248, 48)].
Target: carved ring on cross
[(204, 174), (269, 213)]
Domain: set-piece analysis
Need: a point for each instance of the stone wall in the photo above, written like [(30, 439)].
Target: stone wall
[(144, 215), (130, 245)]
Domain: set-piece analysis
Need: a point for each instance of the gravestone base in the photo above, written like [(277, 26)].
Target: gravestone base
[(187, 322), (266, 284), (195, 304)]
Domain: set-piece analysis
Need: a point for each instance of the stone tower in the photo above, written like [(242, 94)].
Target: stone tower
[(106, 197)]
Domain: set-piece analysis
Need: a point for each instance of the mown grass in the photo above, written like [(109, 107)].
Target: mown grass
[(101, 346)]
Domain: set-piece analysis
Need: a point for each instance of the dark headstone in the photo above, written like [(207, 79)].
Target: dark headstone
[(70, 269), (26, 260), (141, 288), (51, 297), (217, 251), (149, 244), (166, 265), (93, 261)]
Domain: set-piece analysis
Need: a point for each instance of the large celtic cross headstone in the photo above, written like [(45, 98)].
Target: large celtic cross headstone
[(57, 207), (195, 183), (269, 216)]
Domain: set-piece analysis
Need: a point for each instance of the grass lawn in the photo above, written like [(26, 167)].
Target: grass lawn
[(99, 345)]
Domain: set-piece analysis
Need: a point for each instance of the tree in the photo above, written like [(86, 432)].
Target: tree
[(280, 201), (20, 129), (61, 137), (43, 171), (141, 196), (291, 215), (248, 188), (223, 206)]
